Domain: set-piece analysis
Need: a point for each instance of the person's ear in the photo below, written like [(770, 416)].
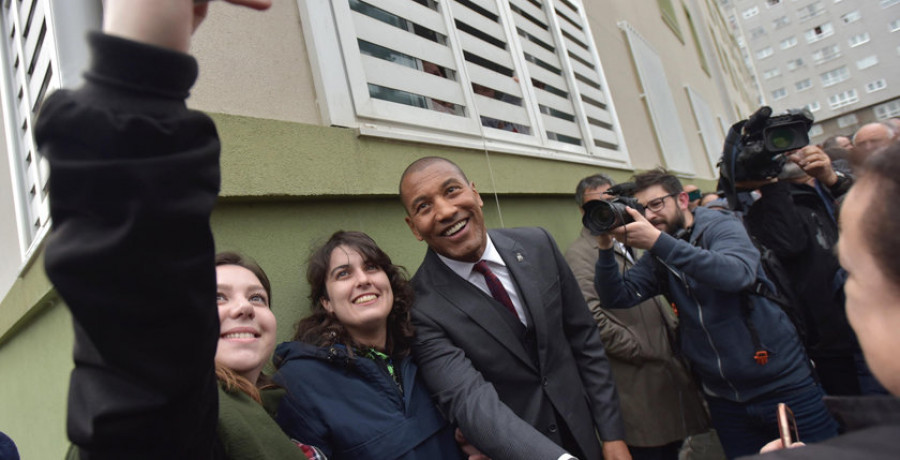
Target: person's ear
[(477, 196), (326, 304)]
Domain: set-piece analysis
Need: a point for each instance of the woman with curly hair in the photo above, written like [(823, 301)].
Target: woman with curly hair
[(352, 387)]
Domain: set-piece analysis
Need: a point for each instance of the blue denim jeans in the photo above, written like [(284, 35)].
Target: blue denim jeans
[(744, 427)]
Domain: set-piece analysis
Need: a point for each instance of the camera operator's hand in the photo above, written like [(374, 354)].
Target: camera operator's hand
[(816, 163), (605, 240), (750, 185), (163, 23), (640, 234)]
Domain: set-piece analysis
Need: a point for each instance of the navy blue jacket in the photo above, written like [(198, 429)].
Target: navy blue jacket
[(705, 278), (352, 409)]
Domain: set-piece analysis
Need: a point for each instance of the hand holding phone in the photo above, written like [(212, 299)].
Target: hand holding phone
[(787, 426)]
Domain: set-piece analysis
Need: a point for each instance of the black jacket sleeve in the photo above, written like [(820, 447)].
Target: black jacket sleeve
[(774, 222), (134, 177)]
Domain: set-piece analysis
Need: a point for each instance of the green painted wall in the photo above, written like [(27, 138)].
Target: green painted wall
[(285, 187)]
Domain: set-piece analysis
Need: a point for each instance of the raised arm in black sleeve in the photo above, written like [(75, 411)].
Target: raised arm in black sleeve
[(134, 177)]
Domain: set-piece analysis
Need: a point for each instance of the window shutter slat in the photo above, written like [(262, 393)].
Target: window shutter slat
[(382, 34)]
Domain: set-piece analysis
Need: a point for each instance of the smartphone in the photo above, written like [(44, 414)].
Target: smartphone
[(787, 426)]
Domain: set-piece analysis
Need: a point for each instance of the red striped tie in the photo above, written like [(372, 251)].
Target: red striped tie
[(498, 292)]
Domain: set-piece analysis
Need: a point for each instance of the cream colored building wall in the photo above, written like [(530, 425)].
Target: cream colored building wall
[(682, 66), (255, 64)]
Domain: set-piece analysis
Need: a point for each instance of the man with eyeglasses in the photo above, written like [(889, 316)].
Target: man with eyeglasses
[(741, 345), (661, 404)]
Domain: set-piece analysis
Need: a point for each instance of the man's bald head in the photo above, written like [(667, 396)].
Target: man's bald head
[(423, 163), (872, 137)]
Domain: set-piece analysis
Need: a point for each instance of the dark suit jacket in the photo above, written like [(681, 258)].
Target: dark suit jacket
[(504, 388)]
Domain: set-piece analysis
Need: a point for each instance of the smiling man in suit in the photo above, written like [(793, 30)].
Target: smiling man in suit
[(504, 338)]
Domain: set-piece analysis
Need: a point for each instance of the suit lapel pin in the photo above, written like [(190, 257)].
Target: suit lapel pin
[(519, 257)]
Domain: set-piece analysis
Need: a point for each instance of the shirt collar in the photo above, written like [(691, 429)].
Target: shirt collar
[(464, 269)]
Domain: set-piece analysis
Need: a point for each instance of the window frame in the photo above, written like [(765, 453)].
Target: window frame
[(341, 84)]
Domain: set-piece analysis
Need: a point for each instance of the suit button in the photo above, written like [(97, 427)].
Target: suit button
[(545, 382), (552, 428)]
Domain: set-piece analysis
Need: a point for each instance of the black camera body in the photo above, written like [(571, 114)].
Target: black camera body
[(766, 138), (602, 216)]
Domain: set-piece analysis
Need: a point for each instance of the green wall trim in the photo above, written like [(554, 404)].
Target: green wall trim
[(31, 292)]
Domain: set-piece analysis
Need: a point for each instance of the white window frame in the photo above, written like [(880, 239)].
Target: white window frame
[(803, 85), (826, 54), (888, 3), (887, 110), (867, 62), (894, 25), (851, 17), (794, 64), (810, 11), (842, 99), (834, 76), (816, 130), (858, 39), (750, 12), (765, 53), (781, 21), (660, 103), (58, 63), (827, 30), (771, 73), (847, 120), (876, 85), (339, 71), (779, 94), (814, 106), (789, 42)]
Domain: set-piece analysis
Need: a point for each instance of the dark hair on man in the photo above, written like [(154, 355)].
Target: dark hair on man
[(226, 376), (323, 329), (881, 223), (590, 183), (421, 164), (658, 176)]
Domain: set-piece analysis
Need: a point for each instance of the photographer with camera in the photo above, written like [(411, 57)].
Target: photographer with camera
[(741, 345), (661, 404), (796, 219)]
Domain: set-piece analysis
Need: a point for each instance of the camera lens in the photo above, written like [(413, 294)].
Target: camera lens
[(603, 216), (783, 138)]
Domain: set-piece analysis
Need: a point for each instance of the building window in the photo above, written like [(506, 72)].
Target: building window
[(660, 102), (813, 106), (810, 11), (852, 16), (803, 84), (816, 130), (773, 2), (794, 64), (526, 79), (847, 120), (826, 54), (781, 22), (819, 32), (757, 32), (789, 42), (703, 63), (843, 99), (867, 62), (750, 12), (888, 110), (765, 52), (833, 77), (771, 73), (32, 68), (888, 3), (858, 39), (779, 93), (667, 9), (876, 85), (894, 25)]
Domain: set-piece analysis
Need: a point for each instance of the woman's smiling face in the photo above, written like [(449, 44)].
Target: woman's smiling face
[(247, 325), (359, 294)]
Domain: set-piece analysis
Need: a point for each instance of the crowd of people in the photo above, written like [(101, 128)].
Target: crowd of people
[(499, 346)]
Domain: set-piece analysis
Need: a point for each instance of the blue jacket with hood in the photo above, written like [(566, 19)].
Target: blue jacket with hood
[(351, 408), (706, 278)]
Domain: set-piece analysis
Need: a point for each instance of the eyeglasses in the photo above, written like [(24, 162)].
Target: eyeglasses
[(657, 204)]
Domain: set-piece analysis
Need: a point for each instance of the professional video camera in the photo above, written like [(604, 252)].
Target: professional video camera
[(602, 216), (757, 153)]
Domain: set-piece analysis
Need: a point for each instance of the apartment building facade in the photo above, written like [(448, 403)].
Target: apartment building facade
[(839, 58), (322, 103)]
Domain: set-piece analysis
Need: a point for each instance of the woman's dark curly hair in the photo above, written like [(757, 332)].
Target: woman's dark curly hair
[(323, 329)]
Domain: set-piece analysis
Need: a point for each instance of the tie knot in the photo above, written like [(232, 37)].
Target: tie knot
[(482, 267)]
